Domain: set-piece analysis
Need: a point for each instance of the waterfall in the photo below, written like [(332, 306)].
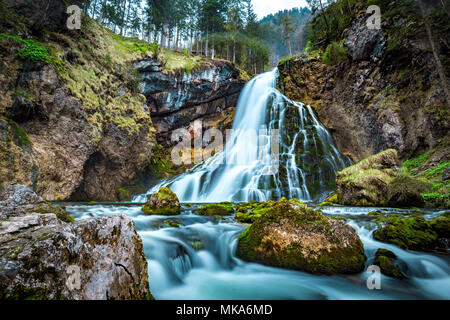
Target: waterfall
[(304, 166)]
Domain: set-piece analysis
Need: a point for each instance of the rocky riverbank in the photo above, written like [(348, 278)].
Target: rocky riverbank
[(44, 254)]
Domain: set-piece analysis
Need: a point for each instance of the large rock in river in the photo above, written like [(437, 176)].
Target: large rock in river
[(164, 202), (297, 237), (44, 257)]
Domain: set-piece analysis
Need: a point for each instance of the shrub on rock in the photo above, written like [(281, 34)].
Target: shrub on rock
[(296, 237), (164, 202)]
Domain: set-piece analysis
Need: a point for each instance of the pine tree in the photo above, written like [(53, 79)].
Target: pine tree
[(288, 30)]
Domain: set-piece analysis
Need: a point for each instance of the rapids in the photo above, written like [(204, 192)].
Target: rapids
[(197, 261)]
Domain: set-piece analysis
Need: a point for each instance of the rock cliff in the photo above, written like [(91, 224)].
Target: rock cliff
[(176, 100), (76, 107), (386, 92)]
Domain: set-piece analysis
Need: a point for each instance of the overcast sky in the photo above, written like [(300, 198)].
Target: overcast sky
[(265, 7)]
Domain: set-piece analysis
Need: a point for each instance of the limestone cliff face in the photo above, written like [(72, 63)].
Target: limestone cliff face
[(75, 123), (176, 100), (379, 98)]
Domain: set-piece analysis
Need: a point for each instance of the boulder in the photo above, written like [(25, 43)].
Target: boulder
[(163, 202), (366, 183), (388, 263), (415, 233), (216, 209), (292, 236), (377, 181), (44, 257)]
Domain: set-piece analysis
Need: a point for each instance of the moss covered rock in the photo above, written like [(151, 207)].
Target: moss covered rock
[(366, 183), (405, 191), (296, 237), (386, 260), (216, 209), (163, 202), (415, 233), (377, 181), (251, 211)]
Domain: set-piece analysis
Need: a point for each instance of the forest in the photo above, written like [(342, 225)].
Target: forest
[(217, 29)]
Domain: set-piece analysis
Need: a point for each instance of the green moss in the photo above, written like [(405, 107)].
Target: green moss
[(408, 233), (60, 212), (385, 260), (255, 243), (160, 164), (338, 218), (326, 204), (286, 60), (216, 210), (20, 136), (172, 224), (416, 162), (333, 199), (160, 211), (123, 195), (405, 191), (163, 202), (33, 50)]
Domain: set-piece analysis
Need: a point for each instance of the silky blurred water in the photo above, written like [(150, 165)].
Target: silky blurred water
[(197, 261)]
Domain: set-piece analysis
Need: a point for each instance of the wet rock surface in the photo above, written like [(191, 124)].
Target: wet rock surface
[(176, 100), (389, 264), (43, 257)]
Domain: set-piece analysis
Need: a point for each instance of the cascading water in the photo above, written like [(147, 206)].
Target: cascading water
[(249, 168), (197, 259)]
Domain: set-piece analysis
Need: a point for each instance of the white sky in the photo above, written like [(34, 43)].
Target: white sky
[(265, 7)]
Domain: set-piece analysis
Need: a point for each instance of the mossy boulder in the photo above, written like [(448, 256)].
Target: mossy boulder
[(388, 263), (415, 233), (123, 195), (377, 181), (405, 191), (164, 202), (300, 238), (366, 183), (251, 211), (216, 209)]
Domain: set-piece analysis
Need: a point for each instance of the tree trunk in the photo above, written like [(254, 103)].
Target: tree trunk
[(435, 51), (206, 46), (324, 16), (123, 17)]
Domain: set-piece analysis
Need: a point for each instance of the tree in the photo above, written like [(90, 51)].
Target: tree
[(212, 19), (288, 31), (315, 5)]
